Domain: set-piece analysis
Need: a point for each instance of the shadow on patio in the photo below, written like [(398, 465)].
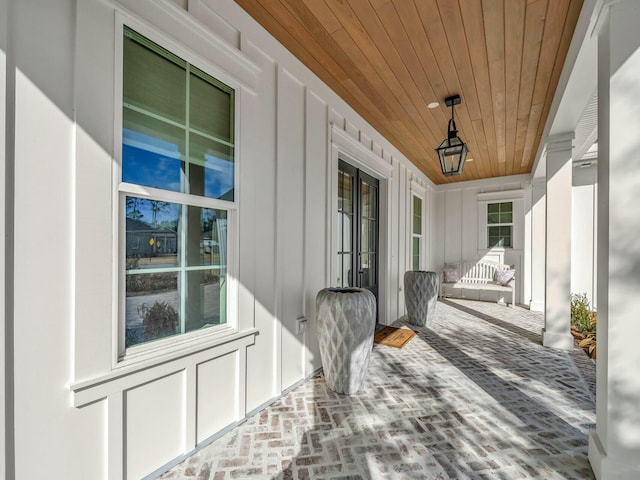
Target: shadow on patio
[(474, 396)]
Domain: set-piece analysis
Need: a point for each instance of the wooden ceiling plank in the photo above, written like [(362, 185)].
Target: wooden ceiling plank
[(384, 45), (399, 38), (370, 52), (324, 14), (331, 49), (404, 106), (284, 35), (534, 27), (437, 37), (514, 35), (358, 88), (493, 15), (435, 89), (571, 19), (553, 26), (534, 119), (386, 59), (457, 41), (474, 28)]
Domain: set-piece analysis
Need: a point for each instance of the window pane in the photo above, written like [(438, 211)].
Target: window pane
[(499, 236), (152, 307), (345, 239), (367, 270), (152, 152), (493, 208), (346, 271), (373, 236), (373, 202), (364, 235), (365, 195), (210, 108), (347, 192), (206, 293), (206, 237), (211, 172), (506, 207), (506, 217), (493, 218), (416, 253), (152, 239), (417, 215), (153, 82)]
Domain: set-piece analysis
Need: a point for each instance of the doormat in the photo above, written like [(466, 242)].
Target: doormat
[(393, 336)]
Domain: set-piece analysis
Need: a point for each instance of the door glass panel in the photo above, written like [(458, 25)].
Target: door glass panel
[(366, 199), (357, 228)]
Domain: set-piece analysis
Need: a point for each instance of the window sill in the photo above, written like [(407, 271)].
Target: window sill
[(154, 364)]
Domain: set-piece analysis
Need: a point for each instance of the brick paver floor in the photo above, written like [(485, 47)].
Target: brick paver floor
[(474, 396)]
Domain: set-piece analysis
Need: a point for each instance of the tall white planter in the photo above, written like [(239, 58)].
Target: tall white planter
[(346, 322), (420, 296)]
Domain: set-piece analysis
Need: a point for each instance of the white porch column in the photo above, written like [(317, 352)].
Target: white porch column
[(614, 448), (557, 312), (538, 239)]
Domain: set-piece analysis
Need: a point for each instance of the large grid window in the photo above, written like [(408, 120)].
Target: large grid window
[(500, 225), (178, 145), (416, 236)]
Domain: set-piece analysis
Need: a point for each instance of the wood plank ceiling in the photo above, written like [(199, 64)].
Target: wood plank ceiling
[(388, 59)]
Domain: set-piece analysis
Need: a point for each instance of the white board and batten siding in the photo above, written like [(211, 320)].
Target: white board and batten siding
[(94, 416)]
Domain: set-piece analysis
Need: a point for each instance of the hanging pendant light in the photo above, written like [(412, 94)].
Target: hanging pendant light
[(452, 151)]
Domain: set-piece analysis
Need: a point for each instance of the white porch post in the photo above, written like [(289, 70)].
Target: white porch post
[(614, 448), (538, 238), (557, 313)]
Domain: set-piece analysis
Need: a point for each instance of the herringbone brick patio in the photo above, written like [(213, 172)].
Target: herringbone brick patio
[(475, 396)]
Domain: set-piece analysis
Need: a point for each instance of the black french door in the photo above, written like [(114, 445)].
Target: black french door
[(358, 223)]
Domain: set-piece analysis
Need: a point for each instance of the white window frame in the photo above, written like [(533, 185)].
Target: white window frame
[(516, 197), (415, 235), (123, 356), (418, 191), (504, 224)]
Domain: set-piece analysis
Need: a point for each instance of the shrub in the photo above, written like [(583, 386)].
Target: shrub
[(584, 320), (580, 312), (160, 320)]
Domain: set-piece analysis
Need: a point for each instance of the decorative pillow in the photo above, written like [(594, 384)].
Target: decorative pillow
[(503, 277), (450, 275)]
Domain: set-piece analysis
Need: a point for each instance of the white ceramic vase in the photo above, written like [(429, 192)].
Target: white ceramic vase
[(346, 320), (420, 296)]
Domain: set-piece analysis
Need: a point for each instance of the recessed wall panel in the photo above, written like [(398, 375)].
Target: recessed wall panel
[(217, 394), (154, 424)]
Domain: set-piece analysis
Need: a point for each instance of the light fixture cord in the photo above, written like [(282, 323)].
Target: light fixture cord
[(452, 122)]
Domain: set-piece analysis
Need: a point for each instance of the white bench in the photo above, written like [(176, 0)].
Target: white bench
[(476, 282)]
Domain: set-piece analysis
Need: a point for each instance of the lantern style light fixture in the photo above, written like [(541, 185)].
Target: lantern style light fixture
[(452, 151)]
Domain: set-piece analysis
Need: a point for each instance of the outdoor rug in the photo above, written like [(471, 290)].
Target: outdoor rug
[(393, 336)]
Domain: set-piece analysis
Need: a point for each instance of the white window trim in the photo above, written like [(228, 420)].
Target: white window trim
[(516, 197), (419, 236), (159, 349), (505, 224)]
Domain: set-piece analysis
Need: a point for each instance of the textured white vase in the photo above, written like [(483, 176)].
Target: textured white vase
[(420, 296), (346, 320)]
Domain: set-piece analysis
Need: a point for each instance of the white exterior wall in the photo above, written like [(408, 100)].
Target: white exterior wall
[(76, 412), (461, 224), (583, 233)]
